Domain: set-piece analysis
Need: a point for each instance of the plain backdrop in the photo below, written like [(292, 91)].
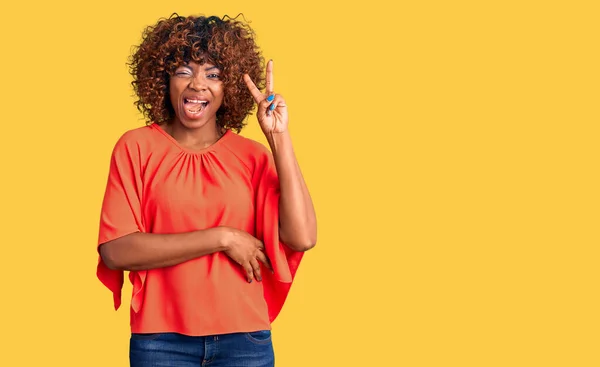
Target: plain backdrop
[(451, 148)]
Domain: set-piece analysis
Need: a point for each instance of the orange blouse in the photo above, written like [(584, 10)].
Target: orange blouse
[(157, 186)]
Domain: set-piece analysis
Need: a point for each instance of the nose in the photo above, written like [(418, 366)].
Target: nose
[(198, 83)]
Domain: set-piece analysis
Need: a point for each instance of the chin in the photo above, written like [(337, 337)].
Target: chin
[(194, 124)]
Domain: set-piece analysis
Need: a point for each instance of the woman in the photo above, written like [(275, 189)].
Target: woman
[(211, 225)]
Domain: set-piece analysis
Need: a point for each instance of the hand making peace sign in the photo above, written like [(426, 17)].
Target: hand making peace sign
[(272, 111)]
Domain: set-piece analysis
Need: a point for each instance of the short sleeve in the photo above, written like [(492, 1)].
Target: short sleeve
[(284, 260), (121, 208)]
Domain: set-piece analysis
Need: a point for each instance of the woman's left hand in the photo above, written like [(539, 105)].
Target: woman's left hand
[(272, 111)]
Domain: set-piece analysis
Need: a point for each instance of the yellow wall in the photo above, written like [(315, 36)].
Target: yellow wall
[(451, 148)]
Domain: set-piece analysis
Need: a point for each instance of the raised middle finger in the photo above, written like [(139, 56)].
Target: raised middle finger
[(269, 76)]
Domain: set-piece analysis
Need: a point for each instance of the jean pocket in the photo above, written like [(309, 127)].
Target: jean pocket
[(145, 336), (259, 337)]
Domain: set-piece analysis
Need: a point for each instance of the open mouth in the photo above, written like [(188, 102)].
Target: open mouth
[(194, 105)]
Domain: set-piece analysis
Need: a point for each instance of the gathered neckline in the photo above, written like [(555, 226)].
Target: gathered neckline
[(207, 149)]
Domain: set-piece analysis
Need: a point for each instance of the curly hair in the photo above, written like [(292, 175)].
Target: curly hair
[(224, 42)]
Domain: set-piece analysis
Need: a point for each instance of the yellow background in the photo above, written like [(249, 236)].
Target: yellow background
[(451, 148)]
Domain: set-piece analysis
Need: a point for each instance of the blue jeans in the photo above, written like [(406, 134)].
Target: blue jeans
[(253, 349)]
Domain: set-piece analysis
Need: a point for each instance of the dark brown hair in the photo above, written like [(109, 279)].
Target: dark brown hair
[(224, 42)]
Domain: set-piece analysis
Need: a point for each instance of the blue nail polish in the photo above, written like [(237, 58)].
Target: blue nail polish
[(271, 107), (270, 98)]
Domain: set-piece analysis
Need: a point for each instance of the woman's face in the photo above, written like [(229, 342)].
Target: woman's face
[(196, 94)]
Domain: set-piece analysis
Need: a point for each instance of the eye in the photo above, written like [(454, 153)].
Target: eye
[(183, 70), (213, 76)]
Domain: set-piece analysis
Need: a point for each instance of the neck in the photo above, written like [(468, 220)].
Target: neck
[(198, 138)]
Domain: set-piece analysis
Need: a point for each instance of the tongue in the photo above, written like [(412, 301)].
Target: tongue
[(194, 107)]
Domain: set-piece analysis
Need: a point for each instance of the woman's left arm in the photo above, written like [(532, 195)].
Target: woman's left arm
[(297, 219)]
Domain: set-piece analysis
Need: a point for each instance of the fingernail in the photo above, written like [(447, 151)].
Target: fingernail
[(270, 98), (260, 279), (271, 107)]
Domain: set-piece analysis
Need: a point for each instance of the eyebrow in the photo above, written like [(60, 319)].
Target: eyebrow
[(210, 68)]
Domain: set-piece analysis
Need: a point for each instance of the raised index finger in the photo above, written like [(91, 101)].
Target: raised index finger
[(256, 94)]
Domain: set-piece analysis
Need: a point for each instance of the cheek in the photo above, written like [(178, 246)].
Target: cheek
[(220, 91)]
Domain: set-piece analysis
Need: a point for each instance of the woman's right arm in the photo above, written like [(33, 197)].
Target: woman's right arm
[(143, 251)]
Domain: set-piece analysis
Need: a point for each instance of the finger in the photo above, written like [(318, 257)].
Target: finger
[(278, 101), (271, 108), (262, 257), (254, 91), (270, 77), (249, 272), (256, 269), (266, 103)]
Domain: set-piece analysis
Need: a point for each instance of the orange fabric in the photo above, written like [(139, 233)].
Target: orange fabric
[(157, 186)]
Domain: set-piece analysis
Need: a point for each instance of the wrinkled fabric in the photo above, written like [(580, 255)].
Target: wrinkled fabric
[(157, 186)]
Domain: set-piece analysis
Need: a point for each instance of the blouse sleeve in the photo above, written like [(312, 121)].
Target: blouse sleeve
[(284, 260), (121, 209)]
